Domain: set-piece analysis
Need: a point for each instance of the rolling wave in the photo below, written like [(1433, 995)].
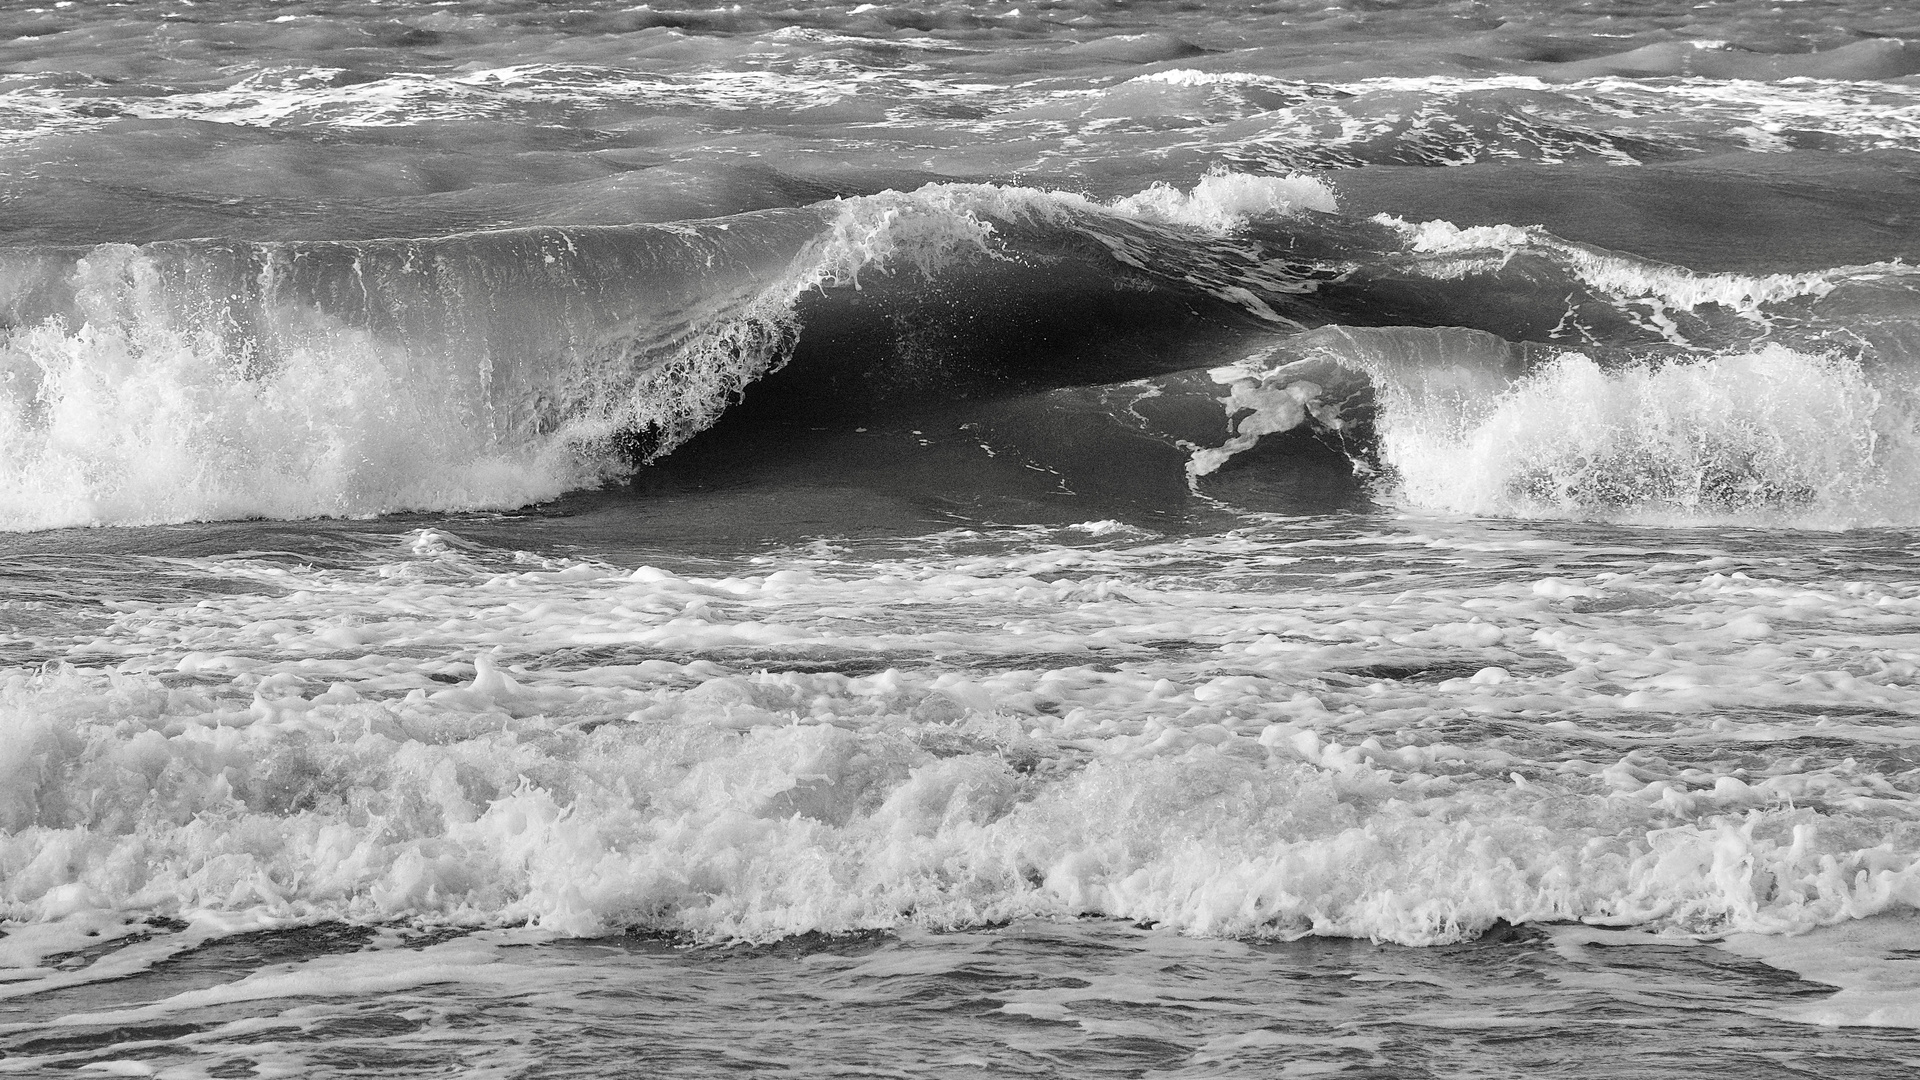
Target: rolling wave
[(190, 380)]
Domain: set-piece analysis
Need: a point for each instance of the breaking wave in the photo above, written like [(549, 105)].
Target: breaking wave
[(217, 379), (1489, 370), (1464, 422)]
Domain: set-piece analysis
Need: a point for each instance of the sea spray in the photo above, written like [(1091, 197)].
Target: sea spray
[(1767, 435)]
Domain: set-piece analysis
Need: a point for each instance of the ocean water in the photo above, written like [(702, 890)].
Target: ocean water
[(1052, 538)]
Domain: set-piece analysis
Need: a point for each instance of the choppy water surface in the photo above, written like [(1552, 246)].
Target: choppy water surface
[(1057, 539)]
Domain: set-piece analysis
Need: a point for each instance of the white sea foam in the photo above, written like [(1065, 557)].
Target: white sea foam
[(1867, 962), (1763, 436), (157, 397), (291, 755), (1769, 435), (130, 417), (316, 96)]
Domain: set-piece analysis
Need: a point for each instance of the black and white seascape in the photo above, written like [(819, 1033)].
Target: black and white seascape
[(1055, 538)]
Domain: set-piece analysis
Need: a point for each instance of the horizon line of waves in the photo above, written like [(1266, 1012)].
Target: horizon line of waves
[(188, 380), (1461, 421)]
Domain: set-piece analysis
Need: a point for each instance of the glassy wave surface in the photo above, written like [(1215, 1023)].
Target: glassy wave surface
[(1047, 538)]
